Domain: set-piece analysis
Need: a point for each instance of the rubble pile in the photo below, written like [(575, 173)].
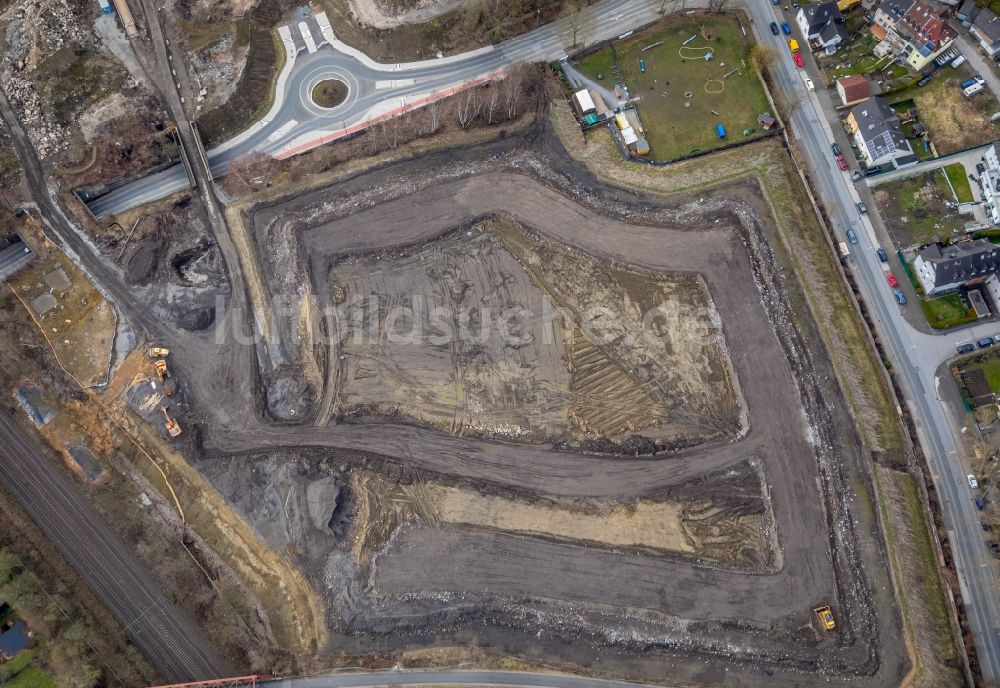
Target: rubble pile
[(35, 30)]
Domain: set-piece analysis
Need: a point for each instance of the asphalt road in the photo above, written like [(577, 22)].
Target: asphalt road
[(370, 96), (446, 678), (172, 641), (915, 355)]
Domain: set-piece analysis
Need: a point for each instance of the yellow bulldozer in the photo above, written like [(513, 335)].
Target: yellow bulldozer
[(825, 617)]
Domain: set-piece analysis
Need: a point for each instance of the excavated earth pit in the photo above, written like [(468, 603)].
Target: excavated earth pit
[(691, 540)]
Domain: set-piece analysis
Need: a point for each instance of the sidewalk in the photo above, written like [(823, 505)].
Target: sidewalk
[(968, 158)]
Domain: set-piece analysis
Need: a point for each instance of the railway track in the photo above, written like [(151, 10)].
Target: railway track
[(171, 641)]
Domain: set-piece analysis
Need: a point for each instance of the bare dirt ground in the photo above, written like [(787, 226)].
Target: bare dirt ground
[(530, 592), (518, 345), (501, 586)]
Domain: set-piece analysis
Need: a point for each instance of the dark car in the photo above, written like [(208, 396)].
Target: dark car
[(774, 28), (923, 82), (985, 342), (882, 255), (980, 503), (855, 176), (852, 237), (965, 348), (862, 208), (836, 149)]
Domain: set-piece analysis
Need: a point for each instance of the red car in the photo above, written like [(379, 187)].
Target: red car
[(799, 62), (893, 282), (841, 163)]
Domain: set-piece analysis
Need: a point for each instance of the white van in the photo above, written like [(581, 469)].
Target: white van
[(973, 89), (810, 86), (960, 60)]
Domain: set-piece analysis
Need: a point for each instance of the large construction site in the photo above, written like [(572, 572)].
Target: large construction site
[(586, 426)]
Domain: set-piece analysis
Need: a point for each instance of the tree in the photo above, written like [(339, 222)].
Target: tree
[(512, 85), (761, 58)]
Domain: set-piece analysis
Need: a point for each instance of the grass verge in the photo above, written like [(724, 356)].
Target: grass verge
[(959, 182)]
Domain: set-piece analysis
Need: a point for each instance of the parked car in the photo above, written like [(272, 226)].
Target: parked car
[(774, 28), (973, 483), (786, 29), (996, 338), (900, 297), (891, 279), (980, 168), (842, 164), (980, 503), (926, 80), (985, 342), (799, 62), (855, 176), (836, 150), (882, 255), (852, 236), (862, 208), (965, 348), (810, 86)]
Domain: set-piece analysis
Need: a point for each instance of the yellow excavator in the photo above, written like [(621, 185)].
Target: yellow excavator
[(172, 426), (157, 352), (825, 617)]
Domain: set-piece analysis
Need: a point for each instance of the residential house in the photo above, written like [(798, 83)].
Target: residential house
[(990, 182), (986, 30), (942, 269), (879, 135), (856, 87), (911, 32), (967, 13), (821, 23)]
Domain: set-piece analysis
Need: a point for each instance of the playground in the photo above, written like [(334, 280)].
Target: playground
[(682, 96)]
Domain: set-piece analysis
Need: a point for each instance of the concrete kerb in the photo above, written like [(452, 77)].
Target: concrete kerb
[(279, 95), (374, 116), (342, 47)]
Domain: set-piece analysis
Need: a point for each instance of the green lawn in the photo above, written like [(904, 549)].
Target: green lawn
[(675, 125), (597, 65), (947, 311), (990, 366), (959, 181)]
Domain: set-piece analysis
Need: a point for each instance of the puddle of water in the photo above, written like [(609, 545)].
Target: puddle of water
[(30, 399), (14, 639)]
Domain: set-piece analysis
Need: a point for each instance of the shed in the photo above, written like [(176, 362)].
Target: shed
[(622, 121), (590, 119), (766, 121), (641, 147), (720, 130), (583, 102), (629, 136)]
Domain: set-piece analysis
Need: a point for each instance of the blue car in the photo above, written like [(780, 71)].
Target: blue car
[(900, 297), (852, 237), (882, 255), (786, 28)]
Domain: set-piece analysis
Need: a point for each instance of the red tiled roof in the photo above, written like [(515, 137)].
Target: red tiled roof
[(926, 25), (878, 32), (855, 87)]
